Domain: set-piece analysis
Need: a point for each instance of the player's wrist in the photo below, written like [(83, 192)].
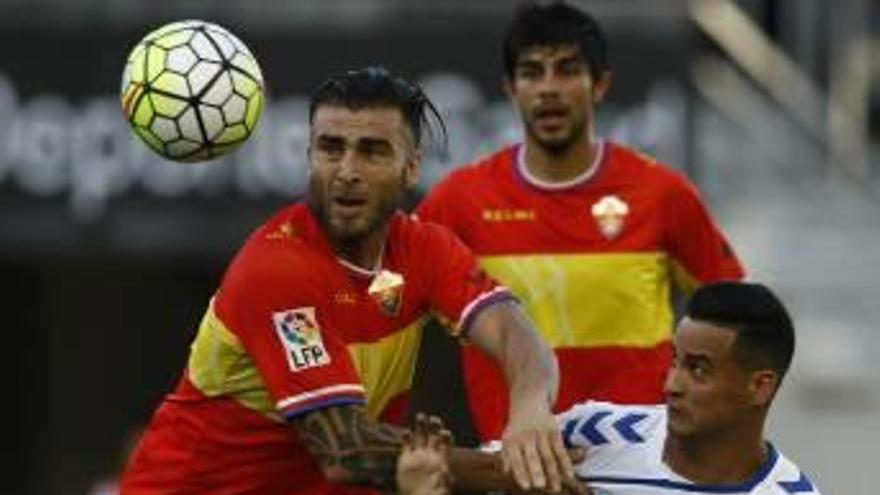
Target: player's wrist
[(537, 396)]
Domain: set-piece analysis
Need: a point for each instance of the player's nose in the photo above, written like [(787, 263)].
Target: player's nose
[(349, 169), (673, 386)]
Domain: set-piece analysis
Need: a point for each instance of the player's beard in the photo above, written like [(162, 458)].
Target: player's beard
[(554, 145), (349, 233)]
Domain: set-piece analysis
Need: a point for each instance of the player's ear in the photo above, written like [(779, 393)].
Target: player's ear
[(763, 386), (602, 86), (413, 168)]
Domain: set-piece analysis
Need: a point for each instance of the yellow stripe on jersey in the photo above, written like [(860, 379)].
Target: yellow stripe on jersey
[(591, 299), (219, 365), (387, 366)]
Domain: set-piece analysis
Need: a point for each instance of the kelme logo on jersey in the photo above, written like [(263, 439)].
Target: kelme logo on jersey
[(301, 337), (610, 213)]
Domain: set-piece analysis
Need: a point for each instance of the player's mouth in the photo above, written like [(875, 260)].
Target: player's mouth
[(348, 206), (551, 118), (674, 410)]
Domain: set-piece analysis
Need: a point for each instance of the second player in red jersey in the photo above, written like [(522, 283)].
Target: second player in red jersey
[(592, 236)]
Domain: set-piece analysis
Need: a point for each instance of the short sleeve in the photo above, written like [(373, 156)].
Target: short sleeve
[(271, 301), (460, 289), (617, 438), (699, 249)]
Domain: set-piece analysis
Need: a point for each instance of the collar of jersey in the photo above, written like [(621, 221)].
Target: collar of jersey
[(364, 272), (320, 237), (686, 486), (583, 177)]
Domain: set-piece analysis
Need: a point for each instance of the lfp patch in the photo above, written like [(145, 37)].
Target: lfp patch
[(301, 337)]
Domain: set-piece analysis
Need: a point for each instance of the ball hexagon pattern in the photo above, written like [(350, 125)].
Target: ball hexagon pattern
[(192, 91)]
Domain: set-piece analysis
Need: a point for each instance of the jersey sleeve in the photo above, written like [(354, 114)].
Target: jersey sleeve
[(611, 434), (460, 289), (274, 303), (699, 249)]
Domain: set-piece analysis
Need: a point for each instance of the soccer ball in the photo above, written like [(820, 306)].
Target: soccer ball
[(192, 91)]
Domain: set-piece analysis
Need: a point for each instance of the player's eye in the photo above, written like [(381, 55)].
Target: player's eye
[(572, 68), (376, 151), (699, 371), (528, 71), (330, 149)]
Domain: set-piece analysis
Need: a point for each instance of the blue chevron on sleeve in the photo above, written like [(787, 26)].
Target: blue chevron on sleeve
[(624, 426), (802, 485), (567, 432), (589, 431)]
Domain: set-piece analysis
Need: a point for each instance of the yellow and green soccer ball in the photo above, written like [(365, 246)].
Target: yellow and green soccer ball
[(192, 91)]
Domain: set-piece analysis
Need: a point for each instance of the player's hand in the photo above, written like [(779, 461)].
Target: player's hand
[(569, 486), (423, 467), (533, 451)]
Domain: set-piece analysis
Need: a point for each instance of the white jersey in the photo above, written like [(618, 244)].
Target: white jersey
[(624, 456)]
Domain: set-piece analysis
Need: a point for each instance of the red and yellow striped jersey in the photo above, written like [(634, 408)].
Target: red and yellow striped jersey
[(292, 330), (592, 260)]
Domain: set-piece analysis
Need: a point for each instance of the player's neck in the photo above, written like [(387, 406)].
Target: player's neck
[(362, 256), (733, 459), (563, 165)]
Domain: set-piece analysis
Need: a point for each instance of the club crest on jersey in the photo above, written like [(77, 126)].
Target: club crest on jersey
[(301, 337), (610, 214), (387, 291)]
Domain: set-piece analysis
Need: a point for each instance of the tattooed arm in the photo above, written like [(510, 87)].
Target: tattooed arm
[(350, 448)]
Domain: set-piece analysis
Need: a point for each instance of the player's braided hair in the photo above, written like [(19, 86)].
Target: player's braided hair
[(375, 87), (552, 25)]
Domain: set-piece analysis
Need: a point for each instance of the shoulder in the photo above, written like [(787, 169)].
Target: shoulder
[(787, 478), (594, 423), (482, 169), (277, 252), (631, 162), (619, 440), (417, 235)]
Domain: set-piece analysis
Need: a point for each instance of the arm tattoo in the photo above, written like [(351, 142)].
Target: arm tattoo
[(344, 440)]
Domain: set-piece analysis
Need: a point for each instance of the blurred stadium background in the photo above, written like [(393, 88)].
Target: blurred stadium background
[(107, 254)]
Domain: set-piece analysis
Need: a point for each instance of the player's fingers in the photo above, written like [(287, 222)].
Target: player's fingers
[(574, 487), (446, 440), (406, 439), (552, 469), (576, 455), (534, 464), (505, 463), (563, 456), (435, 428), (435, 424), (516, 463), (420, 432)]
